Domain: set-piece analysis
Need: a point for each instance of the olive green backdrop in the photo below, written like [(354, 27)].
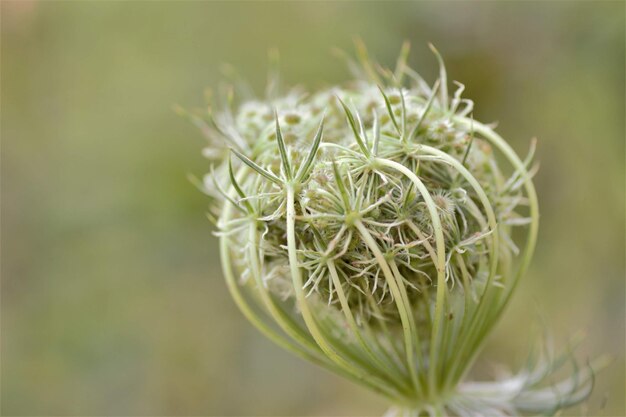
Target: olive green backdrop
[(113, 301)]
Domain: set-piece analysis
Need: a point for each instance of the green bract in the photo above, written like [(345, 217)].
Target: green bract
[(368, 228)]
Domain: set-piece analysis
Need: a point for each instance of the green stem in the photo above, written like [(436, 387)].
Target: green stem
[(476, 323), (406, 317), (317, 334), (247, 311), (441, 260), (531, 240), (374, 356)]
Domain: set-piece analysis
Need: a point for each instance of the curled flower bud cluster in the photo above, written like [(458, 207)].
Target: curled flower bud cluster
[(369, 228)]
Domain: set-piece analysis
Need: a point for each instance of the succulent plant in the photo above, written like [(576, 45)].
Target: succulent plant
[(371, 228)]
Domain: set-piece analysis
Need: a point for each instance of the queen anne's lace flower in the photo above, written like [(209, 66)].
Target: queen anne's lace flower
[(368, 228)]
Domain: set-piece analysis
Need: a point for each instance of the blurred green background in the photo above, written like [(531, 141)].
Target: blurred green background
[(113, 301)]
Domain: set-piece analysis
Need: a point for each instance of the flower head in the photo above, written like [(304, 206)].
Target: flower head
[(368, 228)]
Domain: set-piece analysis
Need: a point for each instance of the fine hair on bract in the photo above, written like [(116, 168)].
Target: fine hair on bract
[(378, 230)]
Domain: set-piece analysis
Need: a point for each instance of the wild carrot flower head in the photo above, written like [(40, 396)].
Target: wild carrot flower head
[(369, 228)]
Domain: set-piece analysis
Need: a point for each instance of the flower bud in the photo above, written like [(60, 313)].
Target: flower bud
[(369, 228)]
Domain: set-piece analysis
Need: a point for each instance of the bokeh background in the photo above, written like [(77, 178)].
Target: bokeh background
[(113, 301)]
